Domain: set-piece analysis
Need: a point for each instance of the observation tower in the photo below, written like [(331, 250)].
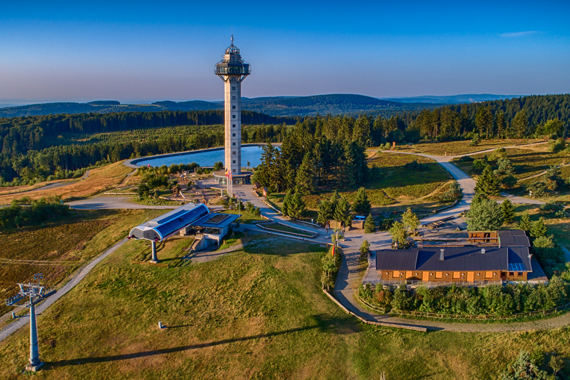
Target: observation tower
[(232, 69)]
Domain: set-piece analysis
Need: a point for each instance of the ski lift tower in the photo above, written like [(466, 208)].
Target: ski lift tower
[(232, 69), (32, 294)]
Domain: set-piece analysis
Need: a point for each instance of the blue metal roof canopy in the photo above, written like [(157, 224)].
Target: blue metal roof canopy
[(168, 224)]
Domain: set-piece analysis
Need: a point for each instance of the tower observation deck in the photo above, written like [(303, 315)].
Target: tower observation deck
[(232, 69)]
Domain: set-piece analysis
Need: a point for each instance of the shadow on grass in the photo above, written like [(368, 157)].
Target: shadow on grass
[(322, 323)]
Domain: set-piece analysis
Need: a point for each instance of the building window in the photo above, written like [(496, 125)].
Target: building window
[(234, 107), (233, 87), (396, 273), (511, 273), (438, 274), (234, 161), (234, 135), (233, 98), (456, 275), (488, 274), (520, 273), (234, 116), (233, 170), (234, 152), (233, 125), (234, 144)]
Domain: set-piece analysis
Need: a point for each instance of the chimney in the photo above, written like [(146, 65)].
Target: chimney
[(530, 257), (441, 255), (482, 251)]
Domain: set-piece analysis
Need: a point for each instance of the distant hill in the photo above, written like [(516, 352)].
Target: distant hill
[(452, 99), (333, 104)]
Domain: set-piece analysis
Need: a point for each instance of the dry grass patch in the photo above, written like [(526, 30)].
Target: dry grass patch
[(99, 180)]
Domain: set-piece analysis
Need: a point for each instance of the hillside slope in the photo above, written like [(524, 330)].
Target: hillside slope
[(274, 106)]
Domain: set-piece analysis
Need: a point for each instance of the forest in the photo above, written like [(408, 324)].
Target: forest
[(36, 148)]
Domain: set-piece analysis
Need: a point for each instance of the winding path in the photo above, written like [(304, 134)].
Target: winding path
[(349, 276)]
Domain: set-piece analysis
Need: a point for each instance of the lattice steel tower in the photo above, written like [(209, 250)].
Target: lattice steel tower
[(232, 69)]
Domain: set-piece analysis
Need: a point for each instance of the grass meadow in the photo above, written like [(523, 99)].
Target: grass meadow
[(453, 148), (257, 313)]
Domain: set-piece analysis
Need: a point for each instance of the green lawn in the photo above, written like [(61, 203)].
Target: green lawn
[(258, 313)]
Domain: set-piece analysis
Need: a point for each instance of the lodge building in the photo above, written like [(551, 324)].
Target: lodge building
[(489, 257)]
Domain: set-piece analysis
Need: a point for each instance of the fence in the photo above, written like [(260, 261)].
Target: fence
[(422, 314)]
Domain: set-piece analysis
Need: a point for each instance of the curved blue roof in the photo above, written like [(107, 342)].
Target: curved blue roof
[(165, 225)]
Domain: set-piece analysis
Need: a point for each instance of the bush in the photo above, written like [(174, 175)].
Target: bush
[(509, 181), (479, 164), (476, 140), (551, 206), (40, 210), (558, 145), (385, 224), (536, 188), (452, 193), (543, 242)]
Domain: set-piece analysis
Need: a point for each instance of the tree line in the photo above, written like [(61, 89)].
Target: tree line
[(20, 134), (66, 161), (489, 300)]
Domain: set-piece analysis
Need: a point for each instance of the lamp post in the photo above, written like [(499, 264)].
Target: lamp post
[(34, 293)]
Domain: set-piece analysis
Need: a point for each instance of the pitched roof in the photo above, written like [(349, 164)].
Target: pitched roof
[(513, 238), (455, 259)]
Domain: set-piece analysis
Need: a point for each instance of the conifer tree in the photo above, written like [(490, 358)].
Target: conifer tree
[(361, 205), (305, 178), (524, 223), (364, 247), (485, 215), (538, 229), (487, 183), (508, 211), (369, 225), (297, 207), (286, 207), (326, 212), (399, 234), (410, 220), (342, 211)]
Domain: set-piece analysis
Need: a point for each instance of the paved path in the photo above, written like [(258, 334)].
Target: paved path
[(349, 276), (13, 327)]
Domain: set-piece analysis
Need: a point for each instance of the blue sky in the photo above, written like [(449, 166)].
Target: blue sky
[(147, 51)]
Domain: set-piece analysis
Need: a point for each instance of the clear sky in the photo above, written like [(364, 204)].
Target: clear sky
[(161, 50)]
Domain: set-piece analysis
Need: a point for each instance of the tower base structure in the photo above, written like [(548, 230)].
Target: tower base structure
[(34, 367), (243, 178)]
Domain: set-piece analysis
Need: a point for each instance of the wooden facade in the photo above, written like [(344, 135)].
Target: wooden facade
[(448, 276)]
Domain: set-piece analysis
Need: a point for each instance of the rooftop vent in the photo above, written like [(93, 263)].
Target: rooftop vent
[(441, 255), (482, 251)]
